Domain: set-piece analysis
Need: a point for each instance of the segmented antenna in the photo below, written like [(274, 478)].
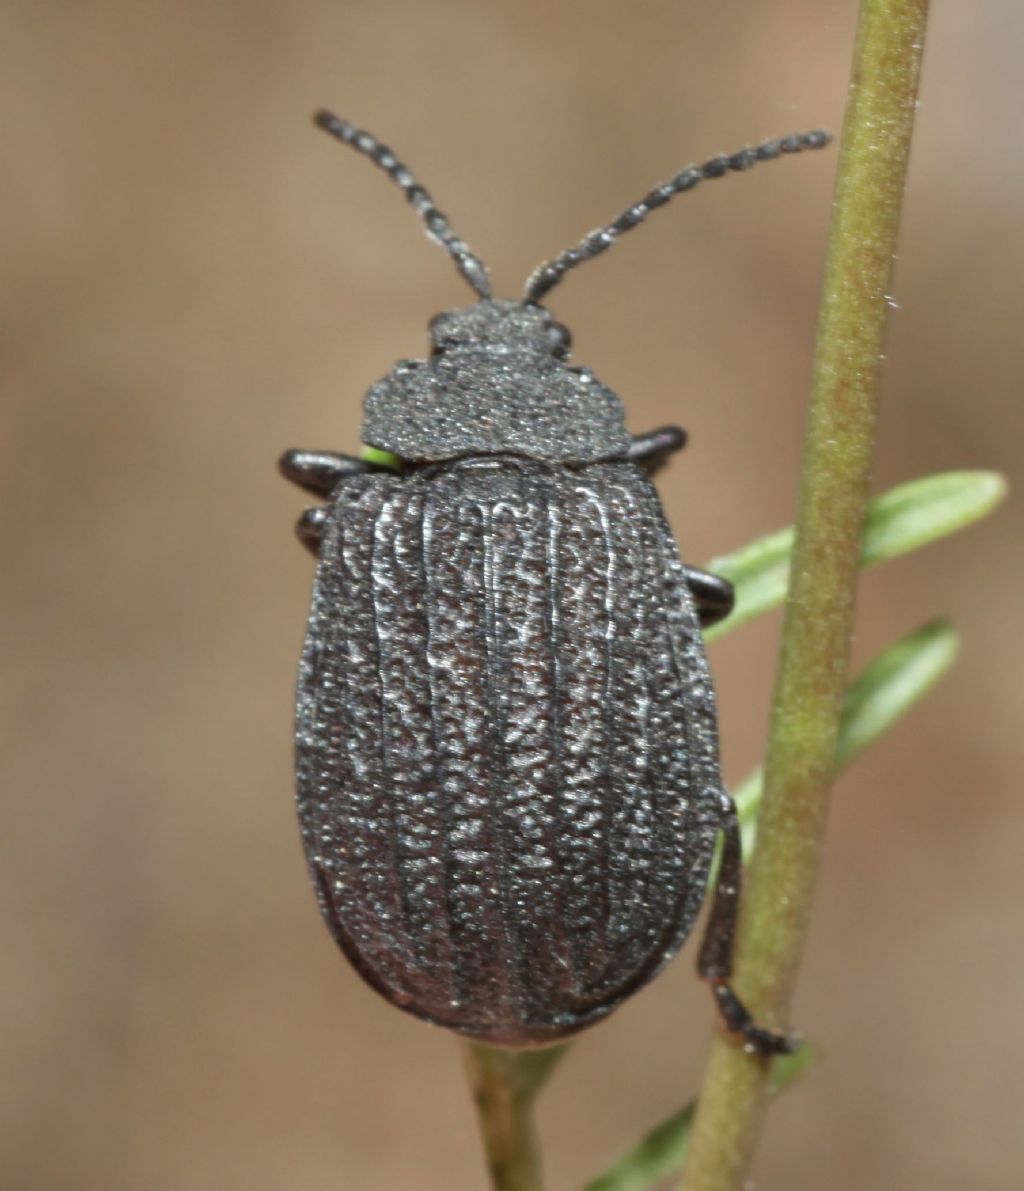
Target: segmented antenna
[(438, 228), (549, 274)]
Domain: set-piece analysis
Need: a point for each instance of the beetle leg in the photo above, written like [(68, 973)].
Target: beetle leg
[(310, 527), (714, 963), (654, 448), (713, 595), (321, 471)]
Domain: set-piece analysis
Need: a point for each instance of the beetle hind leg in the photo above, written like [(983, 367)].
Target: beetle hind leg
[(714, 596), (714, 964)]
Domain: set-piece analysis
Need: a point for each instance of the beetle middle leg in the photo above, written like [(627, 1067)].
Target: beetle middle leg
[(654, 447), (319, 472), (714, 963), (310, 527), (713, 595)]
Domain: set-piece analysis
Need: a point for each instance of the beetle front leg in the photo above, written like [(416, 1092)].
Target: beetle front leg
[(654, 448), (714, 963), (713, 595), (320, 472)]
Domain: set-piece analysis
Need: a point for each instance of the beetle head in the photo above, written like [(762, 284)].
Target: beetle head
[(502, 328)]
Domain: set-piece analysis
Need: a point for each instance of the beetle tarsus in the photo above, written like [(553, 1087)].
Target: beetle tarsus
[(714, 963), (738, 1021), (714, 596), (320, 472)]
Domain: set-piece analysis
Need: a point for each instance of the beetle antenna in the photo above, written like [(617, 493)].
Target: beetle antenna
[(438, 228), (550, 273)]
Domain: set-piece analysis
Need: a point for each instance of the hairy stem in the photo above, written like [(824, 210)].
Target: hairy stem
[(819, 617), (504, 1085)]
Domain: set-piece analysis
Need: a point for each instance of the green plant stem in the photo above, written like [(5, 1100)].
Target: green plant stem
[(819, 617), (505, 1084)]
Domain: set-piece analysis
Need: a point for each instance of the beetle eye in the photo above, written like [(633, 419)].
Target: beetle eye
[(433, 329), (559, 340)]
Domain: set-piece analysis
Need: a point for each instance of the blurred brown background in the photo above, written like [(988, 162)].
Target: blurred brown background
[(194, 279)]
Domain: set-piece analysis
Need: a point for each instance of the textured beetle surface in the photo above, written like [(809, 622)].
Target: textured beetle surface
[(507, 758), (507, 754)]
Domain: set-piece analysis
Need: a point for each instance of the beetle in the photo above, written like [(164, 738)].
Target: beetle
[(506, 742)]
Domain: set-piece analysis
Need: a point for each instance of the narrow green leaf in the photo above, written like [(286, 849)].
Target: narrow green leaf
[(663, 1150), (381, 458), (892, 684), (901, 520), (882, 694), (658, 1154)]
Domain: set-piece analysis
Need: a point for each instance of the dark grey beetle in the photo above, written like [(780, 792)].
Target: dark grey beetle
[(508, 778)]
